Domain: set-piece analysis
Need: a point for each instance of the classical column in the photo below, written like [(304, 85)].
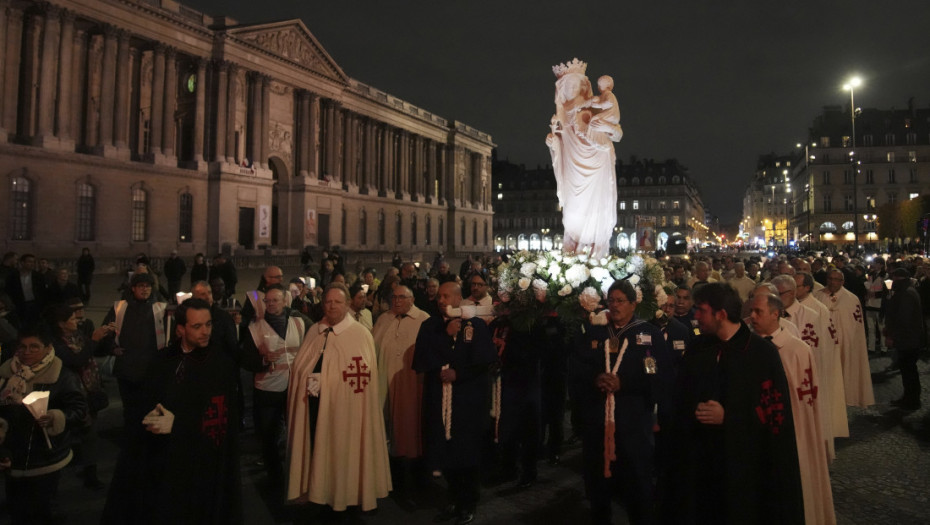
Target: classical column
[(384, 164), (234, 90), (156, 113), (124, 64), (266, 120), (255, 109), (303, 129), (200, 110), (171, 102), (430, 190), (135, 102), (365, 184), (222, 86), (48, 74), (13, 45), (348, 148), (79, 85), (65, 77), (417, 170), (338, 143), (313, 138), (107, 92), (330, 137)]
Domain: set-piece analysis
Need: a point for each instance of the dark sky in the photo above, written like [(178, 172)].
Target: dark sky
[(713, 84)]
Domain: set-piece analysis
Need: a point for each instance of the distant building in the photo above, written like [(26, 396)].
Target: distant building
[(144, 125), (659, 196), (767, 203), (893, 151)]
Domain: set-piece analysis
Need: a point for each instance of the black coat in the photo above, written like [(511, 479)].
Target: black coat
[(904, 317), (470, 391)]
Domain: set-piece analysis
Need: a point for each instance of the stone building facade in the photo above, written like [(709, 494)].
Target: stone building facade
[(660, 194), (145, 126)]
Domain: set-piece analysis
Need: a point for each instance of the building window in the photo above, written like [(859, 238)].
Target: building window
[(649, 181), (636, 205), (911, 139), (889, 139), (867, 140), (500, 196), (429, 230), (889, 156), (662, 180), (847, 177), (869, 177), (486, 233), (826, 178), (442, 230), (398, 223), (913, 175), (913, 196), (462, 231), (676, 220), (891, 176), (676, 205), (848, 203), (892, 197), (139, 214), (21, 195), (663, 221), (344, 226), (474, 233), (827, 202), (824, 142), (185, 217), (676, 179), (869, 202), (86, 212), (847, 141), (382, 234), (662, 205), (635, 181), (413, 229), (622, 205), (362, 228), (912, 156)]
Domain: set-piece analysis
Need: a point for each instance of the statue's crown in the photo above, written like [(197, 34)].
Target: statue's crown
[(575, 66)]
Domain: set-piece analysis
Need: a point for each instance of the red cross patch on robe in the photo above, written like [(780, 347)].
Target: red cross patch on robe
[(214, 421), (357, 375), (809, 335), (771, 408)]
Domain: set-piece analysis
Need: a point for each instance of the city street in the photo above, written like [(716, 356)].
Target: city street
[(881, 474)]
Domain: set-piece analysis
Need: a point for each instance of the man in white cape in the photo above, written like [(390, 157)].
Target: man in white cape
[(801, 371), (839, 423), (848, 320), (337, 449)]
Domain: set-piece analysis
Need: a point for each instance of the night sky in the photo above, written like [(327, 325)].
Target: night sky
[(713, 84)]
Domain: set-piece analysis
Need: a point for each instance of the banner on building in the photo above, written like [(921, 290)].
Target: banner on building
[(264, 222), (645, 233), (310, 228)]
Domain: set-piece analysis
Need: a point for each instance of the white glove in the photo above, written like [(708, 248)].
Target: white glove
[(313, 385), (159, 420)]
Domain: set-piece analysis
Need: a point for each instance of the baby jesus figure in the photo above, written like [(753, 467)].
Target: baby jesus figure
[(604, 120)]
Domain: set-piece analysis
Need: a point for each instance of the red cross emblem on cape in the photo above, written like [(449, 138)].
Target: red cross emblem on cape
[(771, 408), (833, 333), (857, 315), (357, 375), (809, 335), (214, 422), (811, 389)]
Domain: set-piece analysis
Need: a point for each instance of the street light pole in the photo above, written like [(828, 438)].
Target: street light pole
[(853, 83)]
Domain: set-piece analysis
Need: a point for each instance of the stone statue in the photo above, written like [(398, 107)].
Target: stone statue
[(582, 132)]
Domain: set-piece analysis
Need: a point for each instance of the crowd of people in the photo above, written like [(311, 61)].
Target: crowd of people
[(723, 407)]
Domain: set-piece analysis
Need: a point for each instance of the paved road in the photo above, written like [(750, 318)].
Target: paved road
[(881, 474)]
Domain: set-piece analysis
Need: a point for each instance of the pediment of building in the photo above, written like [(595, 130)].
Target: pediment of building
[(290, 40)]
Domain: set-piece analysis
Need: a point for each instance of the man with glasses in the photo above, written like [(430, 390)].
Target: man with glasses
[(479, 296), (395, 335), (848, 320), (254, 306)]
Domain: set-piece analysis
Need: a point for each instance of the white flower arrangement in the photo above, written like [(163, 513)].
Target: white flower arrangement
[(533, 284)]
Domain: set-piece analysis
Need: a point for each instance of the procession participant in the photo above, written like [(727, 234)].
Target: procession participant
[(337, 447), (138, 336), (769, 288), (846, 313), (454, 355), (740, 282), (478, 295), (831, 373), (684, 308), (269, 349), (174, 269), (184, 467), (254, 307), (875, 294), (401, 392), (357, 300), (804, 389), (617, 377), (812, 332), (735, 456), (36, 449), (904, 332)]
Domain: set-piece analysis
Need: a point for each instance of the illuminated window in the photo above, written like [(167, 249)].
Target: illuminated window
[(139, 215), (622, 205), (913, 196), (21, 197), (635, 205), (185, 217), (500, 196)]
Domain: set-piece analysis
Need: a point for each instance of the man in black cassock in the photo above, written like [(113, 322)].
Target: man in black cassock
[(464, 345), (736, 459), (184, 467)]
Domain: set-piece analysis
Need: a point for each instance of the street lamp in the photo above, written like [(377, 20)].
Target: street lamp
[(851, 86)]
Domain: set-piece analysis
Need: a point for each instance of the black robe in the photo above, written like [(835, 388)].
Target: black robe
[(470, 391), (192, 475), (746, 470)]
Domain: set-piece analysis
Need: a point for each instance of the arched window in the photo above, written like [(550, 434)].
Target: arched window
[(635, 181), (662, 179), (344, 226), (139, 219), (648, 181), (86, 212), (398, 223), (382, 234), (429, 230), (442, 230), (21, 209), (676, 179), (362, 227), (413, 229), (185, 217)]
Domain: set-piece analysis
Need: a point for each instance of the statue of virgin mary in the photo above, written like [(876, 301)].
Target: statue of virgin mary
[(584, 161)]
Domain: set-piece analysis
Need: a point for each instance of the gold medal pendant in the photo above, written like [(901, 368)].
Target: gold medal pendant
[(649, 364)]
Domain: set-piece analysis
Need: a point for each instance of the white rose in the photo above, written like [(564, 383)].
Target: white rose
[(565, 290), (523, 283), (554, 270), (634, 279), (528, 269), (639, 295)]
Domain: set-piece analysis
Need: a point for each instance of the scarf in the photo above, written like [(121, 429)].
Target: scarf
[(17, 386)]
